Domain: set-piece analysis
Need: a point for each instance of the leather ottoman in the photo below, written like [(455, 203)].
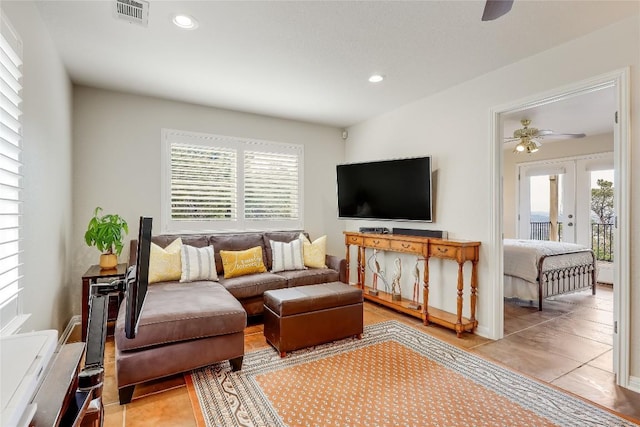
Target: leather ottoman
[(305, 316)]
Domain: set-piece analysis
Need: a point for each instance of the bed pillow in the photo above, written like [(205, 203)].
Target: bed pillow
[(286, 256), (241, 263), (165, 264), (198, 264), (315, 253)]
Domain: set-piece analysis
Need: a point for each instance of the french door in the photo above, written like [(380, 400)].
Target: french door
[(547, 201)]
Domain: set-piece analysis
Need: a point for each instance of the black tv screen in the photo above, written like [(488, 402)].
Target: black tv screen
[(137, 284), (391, 189)]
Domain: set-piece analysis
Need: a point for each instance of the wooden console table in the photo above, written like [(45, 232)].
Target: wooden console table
[(424, 247)]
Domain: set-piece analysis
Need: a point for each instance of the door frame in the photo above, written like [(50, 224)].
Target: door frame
[(620, 81)]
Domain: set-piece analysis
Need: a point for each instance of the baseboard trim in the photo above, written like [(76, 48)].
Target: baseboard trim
[(69, 329), (483, 331), (634, 384)]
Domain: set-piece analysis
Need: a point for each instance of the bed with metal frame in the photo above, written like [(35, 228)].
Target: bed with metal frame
[(536, 269)]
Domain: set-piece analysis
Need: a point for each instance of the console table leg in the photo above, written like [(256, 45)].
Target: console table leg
[(460, 288), (425, 292), (347, 269), (474, 291), (362, 264)]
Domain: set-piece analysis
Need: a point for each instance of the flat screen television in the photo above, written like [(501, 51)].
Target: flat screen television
[(397, 189), (138, 279)]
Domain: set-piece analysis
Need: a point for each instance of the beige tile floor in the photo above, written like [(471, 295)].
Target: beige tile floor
[(568, 344)]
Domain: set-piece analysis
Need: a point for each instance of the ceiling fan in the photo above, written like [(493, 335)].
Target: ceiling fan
[(530, 137), (494, 9)]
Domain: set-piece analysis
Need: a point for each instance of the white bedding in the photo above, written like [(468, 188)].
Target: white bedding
[(521, 257), (515, 287)]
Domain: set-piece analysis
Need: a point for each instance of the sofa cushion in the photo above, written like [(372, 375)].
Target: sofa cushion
[(253, 285), (197, 264), (277, 236), (175, 312), (315, 252), (197, 240), (242, 263), (286, 256), (235, 242), (310, 276), (165, 264)]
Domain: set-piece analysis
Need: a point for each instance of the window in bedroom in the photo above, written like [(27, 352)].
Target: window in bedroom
[(221, 183), (11, 316)]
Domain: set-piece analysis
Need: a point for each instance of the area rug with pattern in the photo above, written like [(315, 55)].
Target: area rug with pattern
[(394, 376)]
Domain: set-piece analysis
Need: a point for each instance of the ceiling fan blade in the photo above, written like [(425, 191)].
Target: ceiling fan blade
[(494, 9), (565, 135)]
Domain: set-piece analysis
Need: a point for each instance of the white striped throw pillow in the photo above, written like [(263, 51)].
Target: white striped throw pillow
[(286, 256), (198, 264)]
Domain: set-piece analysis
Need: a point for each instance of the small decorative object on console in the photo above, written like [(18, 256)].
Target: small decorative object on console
[(416, 286), (376, 273), (395, 284)]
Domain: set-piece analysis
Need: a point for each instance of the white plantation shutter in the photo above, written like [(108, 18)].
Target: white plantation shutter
[(220, 183), (203, 183), (11, 317), (270, 185)]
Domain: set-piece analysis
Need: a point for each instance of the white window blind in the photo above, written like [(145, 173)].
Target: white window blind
[(270, 185), (11, 317), (203, 183), (220, 183)]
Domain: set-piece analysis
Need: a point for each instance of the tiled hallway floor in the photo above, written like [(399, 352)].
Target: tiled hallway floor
[(568, 344)]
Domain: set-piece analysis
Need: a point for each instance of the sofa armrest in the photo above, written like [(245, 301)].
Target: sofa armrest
[(338, 264)]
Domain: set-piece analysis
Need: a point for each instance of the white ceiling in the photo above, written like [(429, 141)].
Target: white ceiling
[(591, 113), (310, 60)]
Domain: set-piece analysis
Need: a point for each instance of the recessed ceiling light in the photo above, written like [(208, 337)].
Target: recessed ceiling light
[(376, 78), (185, 21)]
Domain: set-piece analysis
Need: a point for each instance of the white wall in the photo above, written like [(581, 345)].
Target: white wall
[(453, 126), (47, 173), (116, 160), (552, 150)]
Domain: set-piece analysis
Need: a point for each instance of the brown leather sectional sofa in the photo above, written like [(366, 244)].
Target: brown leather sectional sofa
[(184, 326)]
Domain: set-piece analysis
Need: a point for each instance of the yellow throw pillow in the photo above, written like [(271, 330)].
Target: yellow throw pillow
[(240, 263), (165, 264), (314, 253)]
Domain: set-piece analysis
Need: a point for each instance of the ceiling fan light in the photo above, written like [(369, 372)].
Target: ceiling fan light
[(520, 147)]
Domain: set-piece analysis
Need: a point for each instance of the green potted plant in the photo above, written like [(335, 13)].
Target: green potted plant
[(106, 233)]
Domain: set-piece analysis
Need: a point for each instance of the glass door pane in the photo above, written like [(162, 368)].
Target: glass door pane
[(547, 202)]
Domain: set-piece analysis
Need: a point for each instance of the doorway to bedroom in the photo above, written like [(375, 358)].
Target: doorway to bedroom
[(554, 171)]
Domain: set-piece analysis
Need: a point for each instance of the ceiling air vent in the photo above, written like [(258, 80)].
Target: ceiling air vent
[(136, 11)]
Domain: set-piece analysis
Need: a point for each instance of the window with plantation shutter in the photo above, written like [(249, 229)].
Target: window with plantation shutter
[(11, 316), (270, 185), (219, 183)]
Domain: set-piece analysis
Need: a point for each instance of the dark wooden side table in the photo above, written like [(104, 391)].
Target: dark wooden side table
[(93, 276)]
